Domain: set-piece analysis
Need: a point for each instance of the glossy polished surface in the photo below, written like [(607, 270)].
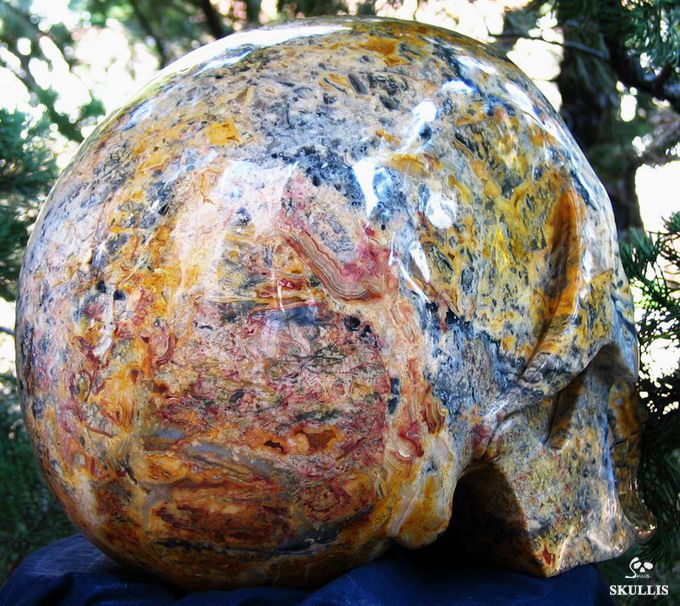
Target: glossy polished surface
[(311, 281)]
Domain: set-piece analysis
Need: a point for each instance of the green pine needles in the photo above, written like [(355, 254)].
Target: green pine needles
[(27, 171), (652, 262)]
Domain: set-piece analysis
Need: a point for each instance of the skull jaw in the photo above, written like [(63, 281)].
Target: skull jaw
[(554, 486)]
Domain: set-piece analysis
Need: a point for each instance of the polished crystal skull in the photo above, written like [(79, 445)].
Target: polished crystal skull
[(318, 286)]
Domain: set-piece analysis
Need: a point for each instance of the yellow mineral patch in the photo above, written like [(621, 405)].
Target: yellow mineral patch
[(414, 165), (385, 47), (491, 189), (156, 159), (389, 137), (463, 190), (339, 80), (410, 164), (221, 134)]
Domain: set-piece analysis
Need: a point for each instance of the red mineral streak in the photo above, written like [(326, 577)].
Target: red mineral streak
[(362, 279), (411, 434), (547, 556)]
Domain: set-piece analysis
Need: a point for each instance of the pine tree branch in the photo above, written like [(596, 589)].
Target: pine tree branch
[(181, 7), (151, 32), (253, 11), (665, 138), (6, 331), (628, 68), (213, 19), (65, 126), (630, 72), (565, 43)]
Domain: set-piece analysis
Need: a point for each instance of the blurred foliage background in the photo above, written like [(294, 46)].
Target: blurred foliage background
[(613, 70)]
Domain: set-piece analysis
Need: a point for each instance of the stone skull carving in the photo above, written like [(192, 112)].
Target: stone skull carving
[(315, 288)]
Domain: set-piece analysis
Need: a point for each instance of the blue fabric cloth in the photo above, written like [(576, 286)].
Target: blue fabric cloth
[(72, 572)]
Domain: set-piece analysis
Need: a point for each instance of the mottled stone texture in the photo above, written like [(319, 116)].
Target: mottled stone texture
[(317, 286)]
